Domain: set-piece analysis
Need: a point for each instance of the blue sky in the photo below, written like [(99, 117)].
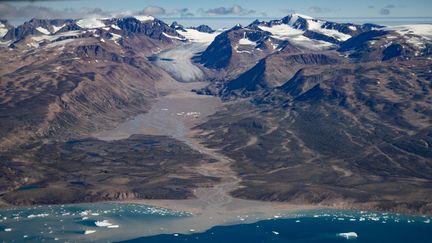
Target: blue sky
[(274, 8), (25, 10)]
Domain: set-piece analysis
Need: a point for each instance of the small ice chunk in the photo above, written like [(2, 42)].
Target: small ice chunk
[(103, 223), (84, 213), (8, 229), (275, 232), (87, 232), (191, 230), (176, 234), (114, 226), (348, 235)]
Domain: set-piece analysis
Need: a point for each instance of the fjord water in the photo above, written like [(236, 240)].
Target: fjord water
[(321, 229), (78, 222), (132, 221)]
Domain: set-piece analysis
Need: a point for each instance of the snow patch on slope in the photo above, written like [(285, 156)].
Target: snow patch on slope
[(144, 18), (315, 25), (115, 27), (90, 23), (3, 31), (173, 37), (246, 41), (287, 32), (57, 28), (282, 31), (195, 36), (416, 35), (424, 30), (43, 30)]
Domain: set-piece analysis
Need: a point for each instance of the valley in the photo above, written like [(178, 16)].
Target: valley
[(290, 113)]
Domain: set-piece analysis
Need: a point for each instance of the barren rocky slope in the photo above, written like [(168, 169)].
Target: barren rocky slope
[(316, 112)]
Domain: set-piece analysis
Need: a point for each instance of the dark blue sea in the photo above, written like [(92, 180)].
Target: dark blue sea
[(322, 229)]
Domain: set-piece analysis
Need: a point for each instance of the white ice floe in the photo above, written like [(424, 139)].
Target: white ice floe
[(8, 229), (43, 30), (348, 235), (42, 215), (275, 232), (84, 213), (144, 18), (176, 234), (103, 223), (114, 226), (87, 232), (192, 230), (90, 23)]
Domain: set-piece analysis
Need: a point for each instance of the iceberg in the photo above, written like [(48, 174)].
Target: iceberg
[(348, 235), (103, 223), (87, 232)]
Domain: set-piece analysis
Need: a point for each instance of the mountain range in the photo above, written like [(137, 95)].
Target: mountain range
[(318, 112)]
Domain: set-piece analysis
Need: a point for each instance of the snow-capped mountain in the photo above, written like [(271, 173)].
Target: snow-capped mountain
[(4, 27), (38, 32), (239, 46)]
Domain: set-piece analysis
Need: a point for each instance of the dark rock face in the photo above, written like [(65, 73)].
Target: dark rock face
[(204, 28), (29, 28), (394, 50), (251, 80), (153, 29), (177, 26), (256, 78), (359, 42), (218, 54)]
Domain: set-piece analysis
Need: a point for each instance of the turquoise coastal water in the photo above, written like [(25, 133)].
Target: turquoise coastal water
[(99, 222), (108, 222)]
